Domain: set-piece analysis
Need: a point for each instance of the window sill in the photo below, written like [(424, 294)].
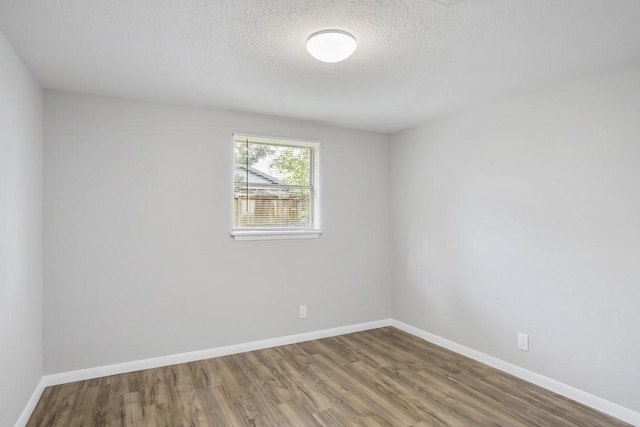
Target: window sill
[(241, 235)]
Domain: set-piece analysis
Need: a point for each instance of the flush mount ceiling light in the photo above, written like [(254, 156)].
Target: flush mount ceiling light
[(331, 45)]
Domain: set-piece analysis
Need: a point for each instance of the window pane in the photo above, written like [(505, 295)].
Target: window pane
[(279, 207), (275, 184), (272, 164)]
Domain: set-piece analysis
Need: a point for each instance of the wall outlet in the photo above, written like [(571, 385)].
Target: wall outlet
[(302, 312), (523, 341)]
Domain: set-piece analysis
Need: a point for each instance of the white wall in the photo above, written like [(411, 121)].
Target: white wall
[(524, 216), (138, 258), (20, 234)]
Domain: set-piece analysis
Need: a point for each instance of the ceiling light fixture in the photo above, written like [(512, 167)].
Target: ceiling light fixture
[(331, 45)]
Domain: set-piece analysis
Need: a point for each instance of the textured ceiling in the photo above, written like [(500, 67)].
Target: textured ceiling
[(417, 59)]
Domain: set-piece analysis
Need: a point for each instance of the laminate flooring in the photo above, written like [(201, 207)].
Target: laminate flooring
[(381, 377)]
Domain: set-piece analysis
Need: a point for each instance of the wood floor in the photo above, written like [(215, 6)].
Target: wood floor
[(382, 377)]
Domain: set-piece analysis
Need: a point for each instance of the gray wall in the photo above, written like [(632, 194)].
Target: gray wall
[(138, 258), (20, 234), (523, 216)]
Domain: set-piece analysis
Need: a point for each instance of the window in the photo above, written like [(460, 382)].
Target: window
[(275, 188)]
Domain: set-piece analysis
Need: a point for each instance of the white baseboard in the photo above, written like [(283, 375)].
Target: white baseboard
[(121, 368), (157, 362), (31, 405), (583, 397)]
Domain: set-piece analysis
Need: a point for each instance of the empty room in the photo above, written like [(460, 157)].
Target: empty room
[(319, 213)]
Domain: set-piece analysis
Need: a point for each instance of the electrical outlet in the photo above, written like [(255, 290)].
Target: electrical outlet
[(302, 312), (523, 341)]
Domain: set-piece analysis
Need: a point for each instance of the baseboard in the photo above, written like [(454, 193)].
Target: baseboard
[(31, 405), (121, 368), (573, 393), (157, 362)]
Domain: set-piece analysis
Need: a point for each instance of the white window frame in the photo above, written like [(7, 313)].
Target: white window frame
[(315, 231)]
